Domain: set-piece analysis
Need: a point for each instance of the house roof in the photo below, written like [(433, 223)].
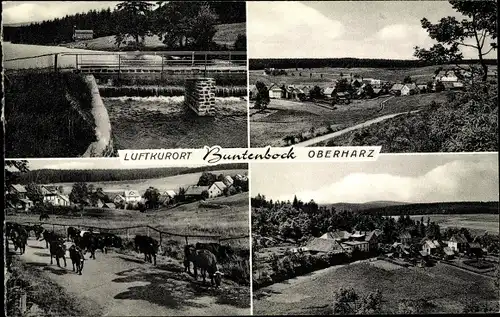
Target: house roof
[(458, 238), (328, 90), (336, 235), (405, 235), (26, 201), (323, 245), (195, 190), (110, 205), (474, 245), (377, 232), (412, 86), (131, 193), (422, 86), (423, 253), (220, 185), (355, 242), (64, 197), (19, 188), (397, 86), (377, 90), (170, 193), (370, 235), (84, 31), (430, 244)]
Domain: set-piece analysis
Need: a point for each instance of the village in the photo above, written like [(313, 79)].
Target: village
[(354, 86), (32, 197)]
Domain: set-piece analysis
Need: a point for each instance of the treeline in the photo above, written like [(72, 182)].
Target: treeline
[(105, 22), (257, 64), (47, 176), (447, 208)]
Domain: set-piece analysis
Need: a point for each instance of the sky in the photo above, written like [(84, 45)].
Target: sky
[(88, 163), (401, 178), (334, 29)]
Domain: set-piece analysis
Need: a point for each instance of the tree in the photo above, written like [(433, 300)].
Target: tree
[(207, 179), (240, 44), (204, 194), (181, 194), (34, 193), (262, 99), (79, 193), (315, 93), (451, 34), (203, 27), (152, 197), (134, 21), (407, 80)]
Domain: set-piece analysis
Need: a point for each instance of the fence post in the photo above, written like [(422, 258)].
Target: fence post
[(186, 239), (53, 227), (192, 58), (128, 237), (55, 62), (119, 66), (160, 237), (22, 303), (161, 74), (229, 57), (148, 231), (76, 61)]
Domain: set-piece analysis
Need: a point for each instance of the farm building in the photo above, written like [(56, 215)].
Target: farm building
[(448, 253), (396, 89), (337, 235), (54, 197), (81, 35), (116, 197), (323, 246), (241, 178), (409, 89), (167, 197), (228, 180), (458, 243), (18, 190), (405, 238), (24, 204), (422, 88), (362, 246), (216, 190), (329, 92), (194, 192), (372, 239), (276, 92), (430, 246), (132, 196), (109, 205)]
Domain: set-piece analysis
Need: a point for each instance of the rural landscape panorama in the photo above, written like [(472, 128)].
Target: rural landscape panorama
[(135, 179), (331, 239)]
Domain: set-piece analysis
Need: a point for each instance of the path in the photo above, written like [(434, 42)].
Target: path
[(126, 286), (365, 124)]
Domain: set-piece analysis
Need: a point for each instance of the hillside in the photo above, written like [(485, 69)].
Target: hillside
[(472, 207), (47, 176), (363, 206), (226, 35)]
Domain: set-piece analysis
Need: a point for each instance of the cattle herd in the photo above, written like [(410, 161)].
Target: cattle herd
[(203, 256)]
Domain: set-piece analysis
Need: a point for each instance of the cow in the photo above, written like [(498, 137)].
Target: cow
[(189, 256), (44, 216), (111, 241), (20, 239), (89, 243), (49, 236), (77, 258), (72, 233), (148, 246), (221, 252), (57, 250), (37, 230), (207, 263)]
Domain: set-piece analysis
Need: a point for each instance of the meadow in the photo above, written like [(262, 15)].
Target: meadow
[(438, 289), (474, 222)]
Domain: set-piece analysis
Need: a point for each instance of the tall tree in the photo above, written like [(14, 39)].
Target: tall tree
[(79, 193), (152, 197), (34, 193), (478, 31), (203, 27), (135, 21)]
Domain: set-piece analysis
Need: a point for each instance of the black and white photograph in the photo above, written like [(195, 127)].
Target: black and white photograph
[(88, 78), (410, 76), (406, 234), (91, 237)]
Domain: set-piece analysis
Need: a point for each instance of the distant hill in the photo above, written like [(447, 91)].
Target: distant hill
[(468, 207), (363, 206)]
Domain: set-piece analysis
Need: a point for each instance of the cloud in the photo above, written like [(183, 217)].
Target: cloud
[(290, 27), (29, 11), (453, 181)]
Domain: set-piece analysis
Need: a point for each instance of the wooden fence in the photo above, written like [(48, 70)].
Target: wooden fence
[(128, 232)]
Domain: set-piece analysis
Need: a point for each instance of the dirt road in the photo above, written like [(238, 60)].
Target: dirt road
[(365, 124), (123, 285)]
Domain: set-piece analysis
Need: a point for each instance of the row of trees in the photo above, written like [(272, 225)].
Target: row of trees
[(180, 25)]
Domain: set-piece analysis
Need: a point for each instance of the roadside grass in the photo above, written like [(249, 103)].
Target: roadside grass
[(284, 117), (50, 298), (444, 288)]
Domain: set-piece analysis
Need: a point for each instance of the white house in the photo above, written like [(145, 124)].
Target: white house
[(53, 197), (457, 243), (409, 89), (241, 178), (217, 189), (228, 181), (275, 92), (132, 196)]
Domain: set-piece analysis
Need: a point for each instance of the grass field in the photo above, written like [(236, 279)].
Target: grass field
[(286, 117), (226, 35), (474, 222), (164, 122), (446, 289)]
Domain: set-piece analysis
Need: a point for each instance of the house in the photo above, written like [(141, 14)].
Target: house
[(241, 178), (18, 190), (99, 203), (358, 235), (377, 92), (405, 238), (228, 181), (131, 196), (429, 247), (329, 92), (337, 235), (24, 204), (80, 35), (362, 246), (195, 192), (276, 92), (458, 243), (409, 89), (116, 197), (396, 89), (216, 189), (56, 199), (356, 82), (109, 205), (372, 240), (323, 246), (448, 253), (446, 76)]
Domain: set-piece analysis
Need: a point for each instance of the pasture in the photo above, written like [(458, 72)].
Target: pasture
[(288, 117), (444, 289), (474, 222), (164, 122)]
